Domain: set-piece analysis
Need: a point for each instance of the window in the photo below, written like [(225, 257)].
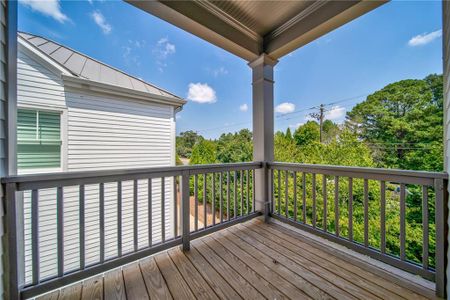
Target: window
[(38, 139)]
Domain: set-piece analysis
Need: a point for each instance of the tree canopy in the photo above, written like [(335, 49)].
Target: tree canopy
[(403, 124), (186, 141)]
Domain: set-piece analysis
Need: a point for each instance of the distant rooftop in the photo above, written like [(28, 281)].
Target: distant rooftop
[(83, 66)]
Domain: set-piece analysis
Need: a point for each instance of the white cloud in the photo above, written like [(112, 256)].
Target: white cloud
[(165, 48), (51, 8), (219, 71), (285, 108), (137, 43), (201, 93), (162, 51), (424, 38), (100, 20), (243, 107), (335, 113), (126, 52), (130, 57)]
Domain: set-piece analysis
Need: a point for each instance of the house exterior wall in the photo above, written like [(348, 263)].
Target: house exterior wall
[(5, 19), (446, 63), (98, 132)]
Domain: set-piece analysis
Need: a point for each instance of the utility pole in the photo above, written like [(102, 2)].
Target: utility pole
[(319, 117)]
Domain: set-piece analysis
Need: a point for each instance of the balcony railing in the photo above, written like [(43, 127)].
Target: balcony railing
[(61, 226), (66, 227), (351, 206)]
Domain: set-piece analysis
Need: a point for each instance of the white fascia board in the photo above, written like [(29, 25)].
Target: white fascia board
[(44, 58), (114, 90)]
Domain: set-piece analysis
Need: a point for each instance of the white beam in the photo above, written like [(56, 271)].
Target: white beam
[(308, 26), (263, 125)]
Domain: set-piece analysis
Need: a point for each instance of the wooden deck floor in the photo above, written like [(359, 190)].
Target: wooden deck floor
[(248, 261)]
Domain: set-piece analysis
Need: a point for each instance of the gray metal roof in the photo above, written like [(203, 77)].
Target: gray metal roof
[(83, 66)]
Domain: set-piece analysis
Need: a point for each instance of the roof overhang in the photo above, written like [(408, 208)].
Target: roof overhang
[(251, 28), (117, 91)]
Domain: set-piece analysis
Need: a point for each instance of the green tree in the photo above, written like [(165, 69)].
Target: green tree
[(204, 152), (307, 133), (288, 134), (237, 147), (403, 123), (186, 141), (330, 131)]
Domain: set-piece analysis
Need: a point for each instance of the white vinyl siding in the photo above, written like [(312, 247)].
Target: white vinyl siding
[(98, 133), (36, 84)]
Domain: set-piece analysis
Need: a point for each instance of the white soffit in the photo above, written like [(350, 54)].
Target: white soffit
[(250, 28)]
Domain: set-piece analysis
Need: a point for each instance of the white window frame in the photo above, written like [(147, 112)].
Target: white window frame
[(63, 133)]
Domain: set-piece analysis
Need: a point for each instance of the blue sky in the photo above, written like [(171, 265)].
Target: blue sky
[(399, 40)]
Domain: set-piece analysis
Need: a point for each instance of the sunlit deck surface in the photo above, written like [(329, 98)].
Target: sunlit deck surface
[(253, 260)]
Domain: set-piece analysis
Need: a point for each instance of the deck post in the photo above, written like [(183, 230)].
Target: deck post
[(185, 214), (263, 126)]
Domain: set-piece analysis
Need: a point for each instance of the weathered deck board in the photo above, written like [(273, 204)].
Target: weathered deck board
[(72, 292), (134, 283), (93, 288), (114, 286), (195, 281), (336, 270), (292, 285), (217, 282), (177, 285), (366, 278), (253, 260), (259, 283), (156, 286)]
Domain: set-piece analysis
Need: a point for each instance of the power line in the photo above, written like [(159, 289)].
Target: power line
[(327, 104), (286, 114)]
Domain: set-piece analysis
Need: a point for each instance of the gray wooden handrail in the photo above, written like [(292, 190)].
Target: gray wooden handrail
[(49, 180)]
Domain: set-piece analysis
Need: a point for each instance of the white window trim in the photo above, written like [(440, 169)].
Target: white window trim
[(63, 132)]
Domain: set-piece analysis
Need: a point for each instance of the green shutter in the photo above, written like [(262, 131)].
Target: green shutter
[(39, 139)]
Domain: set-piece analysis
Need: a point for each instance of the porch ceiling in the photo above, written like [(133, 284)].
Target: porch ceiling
[(250, 28)]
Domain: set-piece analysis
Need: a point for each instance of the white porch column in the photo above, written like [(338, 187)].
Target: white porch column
[(263, 119)]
